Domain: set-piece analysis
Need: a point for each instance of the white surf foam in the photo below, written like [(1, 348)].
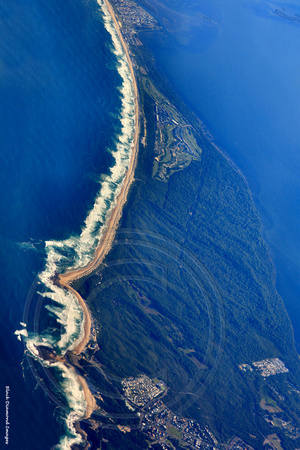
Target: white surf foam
[(78, 251), (74, 395), (20, 333)]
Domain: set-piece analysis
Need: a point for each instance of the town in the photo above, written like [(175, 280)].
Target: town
[(160, 423), (175, 139), (142, 389), (135, 17), (164, 427), (266, 367)]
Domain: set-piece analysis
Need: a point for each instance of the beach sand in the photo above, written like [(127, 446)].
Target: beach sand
[(65, 280), (91, 402)]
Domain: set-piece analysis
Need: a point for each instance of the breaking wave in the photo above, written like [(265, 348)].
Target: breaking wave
[(77, 406), (78, 251)]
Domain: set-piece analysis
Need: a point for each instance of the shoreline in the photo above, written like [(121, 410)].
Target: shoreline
[(110, 228), (66, 279)]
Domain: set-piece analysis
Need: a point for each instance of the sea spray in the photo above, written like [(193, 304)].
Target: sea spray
[(76, 403), (77, 251)]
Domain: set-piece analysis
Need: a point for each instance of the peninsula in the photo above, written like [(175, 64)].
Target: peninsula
[(65, 280), (194, 308), (187, 294)]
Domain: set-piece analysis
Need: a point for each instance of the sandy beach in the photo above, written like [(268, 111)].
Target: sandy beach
[(65, 280), (91, 402)]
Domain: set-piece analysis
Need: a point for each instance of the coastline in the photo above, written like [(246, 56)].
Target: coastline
[(66, 279), (69, 277), (204, 209)]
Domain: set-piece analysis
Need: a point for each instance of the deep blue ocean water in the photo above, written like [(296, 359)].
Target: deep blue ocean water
[(239, 71), (58, 112), (237, 65)]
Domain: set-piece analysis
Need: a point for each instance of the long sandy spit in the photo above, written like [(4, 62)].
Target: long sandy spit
[(66, 279)]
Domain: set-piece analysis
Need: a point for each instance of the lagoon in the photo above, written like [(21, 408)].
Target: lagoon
[(236, 65)]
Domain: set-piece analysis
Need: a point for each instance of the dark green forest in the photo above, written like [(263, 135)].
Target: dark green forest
[(187, 294)]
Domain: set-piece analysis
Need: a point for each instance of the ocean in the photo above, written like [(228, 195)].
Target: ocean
[(236, 65), (66, 130)]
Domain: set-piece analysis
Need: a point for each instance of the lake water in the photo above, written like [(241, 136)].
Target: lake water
[(237, 66)]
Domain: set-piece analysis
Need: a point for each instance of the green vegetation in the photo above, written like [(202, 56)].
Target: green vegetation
[(189, 270), (187, 293), (174, 432)]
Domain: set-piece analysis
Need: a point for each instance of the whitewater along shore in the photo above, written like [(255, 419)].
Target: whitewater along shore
[(65, 280)]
